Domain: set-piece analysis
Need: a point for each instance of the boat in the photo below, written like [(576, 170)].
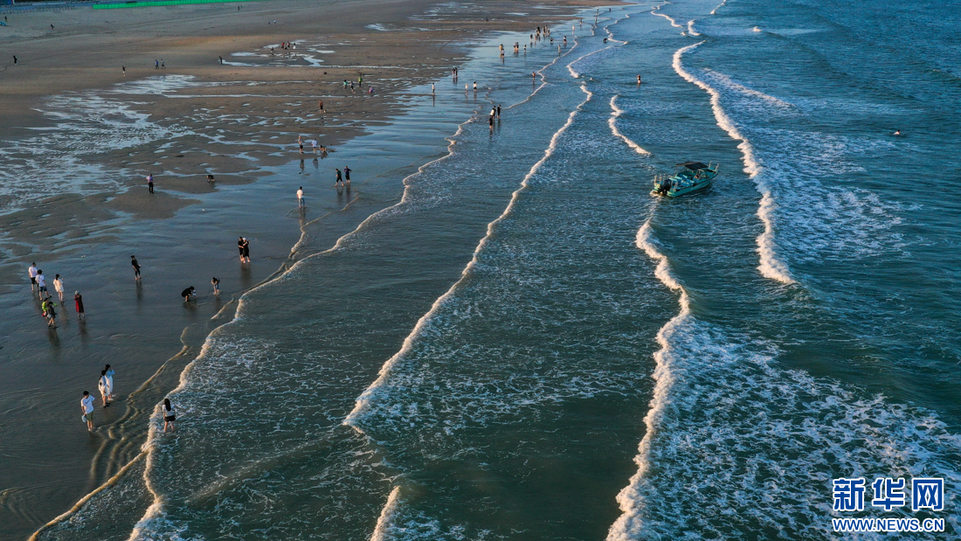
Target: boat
[(690, 177)]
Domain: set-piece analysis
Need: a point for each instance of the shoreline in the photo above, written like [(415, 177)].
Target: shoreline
[(278, 256)]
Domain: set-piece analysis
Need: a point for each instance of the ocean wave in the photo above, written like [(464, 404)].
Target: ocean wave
[(771, 266)]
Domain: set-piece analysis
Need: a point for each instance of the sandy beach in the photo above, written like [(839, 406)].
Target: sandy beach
[(87, 209)]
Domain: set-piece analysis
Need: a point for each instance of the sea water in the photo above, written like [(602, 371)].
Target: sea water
[(530, 346)]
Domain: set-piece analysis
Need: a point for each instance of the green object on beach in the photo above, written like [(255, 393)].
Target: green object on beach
[(135, 4)]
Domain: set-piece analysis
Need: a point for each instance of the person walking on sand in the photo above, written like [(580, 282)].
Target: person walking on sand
[(78, 301), (150, 182), (86, 406), (124, 70), (136, 267), (58, 287), (32, 273), (220, 57), (162, 65), (104, 388), (216, 283), (108, 372), (300, 197), (300, 143), (169, 416), (340, 179), (347, 176), (41, 284), (49, 312), (320, 105)]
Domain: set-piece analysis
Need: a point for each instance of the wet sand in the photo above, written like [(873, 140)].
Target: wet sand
[(186, 232)]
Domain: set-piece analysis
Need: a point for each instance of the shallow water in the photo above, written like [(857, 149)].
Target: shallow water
[(529, 346)]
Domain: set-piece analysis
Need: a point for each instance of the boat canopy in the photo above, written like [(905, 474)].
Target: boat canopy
[(693, 166)]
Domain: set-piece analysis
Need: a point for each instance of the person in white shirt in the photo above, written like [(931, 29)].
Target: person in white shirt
[(104, 387), (41, 284), (86, 405), (58, 286), (109, 373), (300, 197), (32, 271)]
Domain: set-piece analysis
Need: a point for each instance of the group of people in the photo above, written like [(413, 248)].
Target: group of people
[(38, 284), (105, 385)]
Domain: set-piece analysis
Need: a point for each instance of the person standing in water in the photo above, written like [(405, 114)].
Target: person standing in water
[(300, 197), (340, 179), (150, 182), (347, 176), (240, 248), (78, 300), (41, 284), (86, 406), (58, 287), (104, 388), (169, 416), (136, 267), (109, 373), (246, 250), (216, 283), (32, 273)]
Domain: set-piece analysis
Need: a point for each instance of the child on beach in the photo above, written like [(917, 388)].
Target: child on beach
[(216, 283), (41, 284), (49, 312), (300, 197), (86, 406)]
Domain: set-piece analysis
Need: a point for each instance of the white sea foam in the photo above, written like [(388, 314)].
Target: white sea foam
[(719, 6), (612, 122), (370, 394), (629, 524), (385, 520), (657, 11), (747, 446), (770, 265), (690, 28)]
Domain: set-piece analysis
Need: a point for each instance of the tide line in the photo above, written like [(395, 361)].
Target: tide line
[(364, 400), (770, 266), (612, 122), (629, 499), (656, 11)]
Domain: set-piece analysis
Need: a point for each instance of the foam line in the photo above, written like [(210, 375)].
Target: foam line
[(612, 122), (629, 499), (656, 11), (770, 266), (385, 520), (690, 29), (364, 400), (719, 6)]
